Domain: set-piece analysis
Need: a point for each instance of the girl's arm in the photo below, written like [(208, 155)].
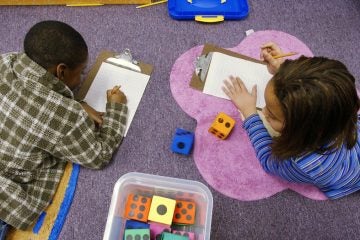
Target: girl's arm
[(261, 141), (245, 102)]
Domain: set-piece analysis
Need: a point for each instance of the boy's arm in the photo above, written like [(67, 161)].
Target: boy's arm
[(261, 141), (90, 148), (96, 116)]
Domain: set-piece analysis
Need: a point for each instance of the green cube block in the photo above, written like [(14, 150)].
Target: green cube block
[(170, 236), (137, 234)]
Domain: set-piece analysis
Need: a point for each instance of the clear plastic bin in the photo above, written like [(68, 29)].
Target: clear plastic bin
[(149, 185)]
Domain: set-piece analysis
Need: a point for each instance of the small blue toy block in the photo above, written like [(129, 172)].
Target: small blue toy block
[(182, 141), (132, 224)]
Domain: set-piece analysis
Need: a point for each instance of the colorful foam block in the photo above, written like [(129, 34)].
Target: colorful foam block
[(184, 212), (170, 236), (183, 141), (137, 207), (200, 236), (190, 235), (156, 229), (162, 210), (222, 126), (137, 234), (132, 224)]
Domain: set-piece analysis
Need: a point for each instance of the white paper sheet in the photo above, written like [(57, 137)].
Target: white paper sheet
[(132, 83), (222, 66)]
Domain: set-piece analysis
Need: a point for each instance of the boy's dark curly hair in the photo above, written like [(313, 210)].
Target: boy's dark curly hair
[(50, 43)]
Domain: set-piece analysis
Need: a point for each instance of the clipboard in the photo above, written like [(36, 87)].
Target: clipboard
[(197, 83), (217, 64), (103, 55), (123, 70)]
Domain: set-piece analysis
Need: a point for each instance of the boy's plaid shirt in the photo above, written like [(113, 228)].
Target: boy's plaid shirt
[(42, 127)]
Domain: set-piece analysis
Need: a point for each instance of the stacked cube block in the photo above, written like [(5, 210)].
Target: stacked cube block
[(131, 224), (156, 229), (137, 207), (162, 210), (171, 236), (184, 212), (189, 235), (151, 218), (137, 234)]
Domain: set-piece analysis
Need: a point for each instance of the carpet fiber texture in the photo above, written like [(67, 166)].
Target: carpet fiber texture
[(328, 28)]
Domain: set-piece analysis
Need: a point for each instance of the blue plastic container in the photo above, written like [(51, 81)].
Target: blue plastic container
[(208, 10)]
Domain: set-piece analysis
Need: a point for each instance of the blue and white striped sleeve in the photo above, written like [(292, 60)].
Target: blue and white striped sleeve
[(261, 141)]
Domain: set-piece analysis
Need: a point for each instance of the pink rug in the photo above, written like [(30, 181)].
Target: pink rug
[(230, 166)]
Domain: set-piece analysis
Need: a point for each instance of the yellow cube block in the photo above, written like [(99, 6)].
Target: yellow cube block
[(162, 210), (222, 126)]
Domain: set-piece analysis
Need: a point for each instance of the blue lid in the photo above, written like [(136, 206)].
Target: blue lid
[(188, 9)]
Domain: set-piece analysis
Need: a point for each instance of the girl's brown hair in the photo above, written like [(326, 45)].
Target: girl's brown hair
[(320, 103)]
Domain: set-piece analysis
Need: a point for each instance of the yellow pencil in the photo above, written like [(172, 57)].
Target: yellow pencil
[(285, 55), (113, 91), (84, 4), (151, 4)]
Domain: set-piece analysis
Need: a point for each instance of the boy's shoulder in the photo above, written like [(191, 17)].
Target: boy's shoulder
[(7, 61), (8, 57)]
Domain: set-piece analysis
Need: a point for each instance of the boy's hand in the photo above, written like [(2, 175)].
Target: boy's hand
[(116, 95), (244, 100), (268, 50), (93, 114)]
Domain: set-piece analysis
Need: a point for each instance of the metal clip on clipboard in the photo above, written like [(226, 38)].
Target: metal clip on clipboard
[(202, 65), (125, 60)]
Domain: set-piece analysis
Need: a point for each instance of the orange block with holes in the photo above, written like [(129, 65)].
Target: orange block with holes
[(137, 207), (222, 126), (184, 212)]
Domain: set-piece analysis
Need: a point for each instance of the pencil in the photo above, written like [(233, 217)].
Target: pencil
[(115, 89), (151, 4), (84, 4), (285, 55)]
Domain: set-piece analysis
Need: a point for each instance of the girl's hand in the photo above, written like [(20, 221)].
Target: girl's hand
[(244, 100), (268, 50), (93, 114)]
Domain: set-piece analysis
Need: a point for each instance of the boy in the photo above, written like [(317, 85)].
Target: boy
[(42, 126)]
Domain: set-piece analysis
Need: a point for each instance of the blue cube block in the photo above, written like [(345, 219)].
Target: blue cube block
[(132, 224), (182, 141)]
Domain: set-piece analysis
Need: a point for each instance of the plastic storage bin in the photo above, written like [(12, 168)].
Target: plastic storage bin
[(149, 185)]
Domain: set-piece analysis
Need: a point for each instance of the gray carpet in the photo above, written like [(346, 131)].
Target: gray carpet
[(329, 28)]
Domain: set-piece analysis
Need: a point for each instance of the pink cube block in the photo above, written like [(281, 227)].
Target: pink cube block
[(156, 229)]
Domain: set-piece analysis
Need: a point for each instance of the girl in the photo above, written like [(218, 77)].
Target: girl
[(313, 104)]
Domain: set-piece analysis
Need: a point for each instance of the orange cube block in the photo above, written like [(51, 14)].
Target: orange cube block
[(137, 207), (222, 126), (184, 212)]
